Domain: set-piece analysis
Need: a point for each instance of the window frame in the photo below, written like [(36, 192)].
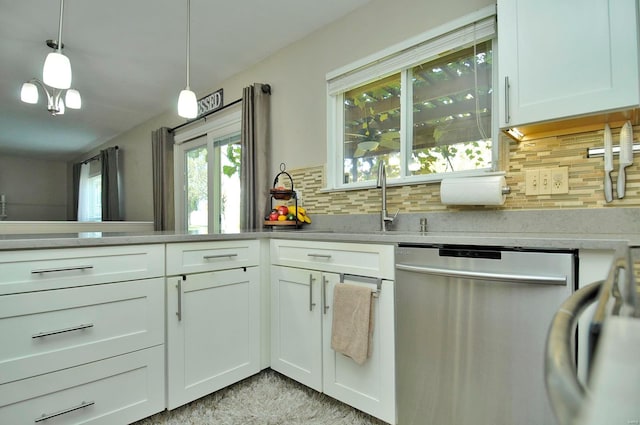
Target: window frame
[(466, 31), (225, 124)]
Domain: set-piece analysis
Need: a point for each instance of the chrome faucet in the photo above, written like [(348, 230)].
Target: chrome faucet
[(385, 220)]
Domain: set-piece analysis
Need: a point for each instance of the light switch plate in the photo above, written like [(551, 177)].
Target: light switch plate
[(532, 182), (545, 181)]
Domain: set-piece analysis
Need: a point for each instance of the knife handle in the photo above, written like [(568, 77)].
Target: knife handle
[(608, 187), (621, 183)]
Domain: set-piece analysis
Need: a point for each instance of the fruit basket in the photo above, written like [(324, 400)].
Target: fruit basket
[(285, 216)]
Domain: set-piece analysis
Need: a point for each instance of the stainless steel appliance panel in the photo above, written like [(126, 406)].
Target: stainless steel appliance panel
[(471, 330)]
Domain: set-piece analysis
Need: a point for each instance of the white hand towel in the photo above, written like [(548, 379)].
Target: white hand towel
[(352, 326)]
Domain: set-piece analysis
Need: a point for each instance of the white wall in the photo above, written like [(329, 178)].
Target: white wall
[(35, 189), (297, 76)]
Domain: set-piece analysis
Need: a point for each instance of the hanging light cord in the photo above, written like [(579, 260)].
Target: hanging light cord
[(188, 38), (60, 27)]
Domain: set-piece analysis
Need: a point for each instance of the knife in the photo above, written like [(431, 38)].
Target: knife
[(626, 155), (608, 164)]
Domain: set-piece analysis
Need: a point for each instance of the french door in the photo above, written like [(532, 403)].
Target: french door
[(207, 177)]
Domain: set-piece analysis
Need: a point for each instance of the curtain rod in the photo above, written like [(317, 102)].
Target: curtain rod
[(95, 157), (266, 88), (171, 130)]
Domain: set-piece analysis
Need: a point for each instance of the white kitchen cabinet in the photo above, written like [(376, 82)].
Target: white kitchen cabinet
[(117, 390), (301, 320), (213, 321), (566, 58), (296, 327), (83, 335)]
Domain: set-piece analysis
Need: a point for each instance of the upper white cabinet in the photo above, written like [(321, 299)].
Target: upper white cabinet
[(566, 58)]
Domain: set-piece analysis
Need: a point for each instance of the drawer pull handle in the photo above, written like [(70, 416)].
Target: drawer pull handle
[(213, 257), (319, 255), (63, 269), (61, 331), (82, 405)]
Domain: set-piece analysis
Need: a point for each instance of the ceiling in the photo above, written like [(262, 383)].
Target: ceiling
[(128, 60)]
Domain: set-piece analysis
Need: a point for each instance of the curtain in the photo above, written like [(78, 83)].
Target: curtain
[(162, 157), (76, 190), (111, 207), (84, 192), (255, 154)]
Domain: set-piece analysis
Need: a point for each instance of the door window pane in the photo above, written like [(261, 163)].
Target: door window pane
[(197, 199), (228, 178)]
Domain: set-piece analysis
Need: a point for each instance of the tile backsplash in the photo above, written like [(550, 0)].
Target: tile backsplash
[(585, 181)]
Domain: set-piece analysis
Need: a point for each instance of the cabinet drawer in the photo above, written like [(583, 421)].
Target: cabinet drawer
[(196, 257), (52, 330), (118, 390), (338, 257), (38, 270)]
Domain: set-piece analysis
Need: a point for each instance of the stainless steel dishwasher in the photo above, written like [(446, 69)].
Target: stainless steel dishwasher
[(471, 326)]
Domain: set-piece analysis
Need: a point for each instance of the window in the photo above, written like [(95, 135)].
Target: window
[(90, 192), (207, 187), (424, 109)]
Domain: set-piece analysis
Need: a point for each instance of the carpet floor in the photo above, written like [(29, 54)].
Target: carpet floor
[(267, 398)]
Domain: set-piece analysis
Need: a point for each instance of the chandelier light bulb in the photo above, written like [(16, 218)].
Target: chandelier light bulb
[(29, 93), (72, 99), (57, 71), (187, 104)]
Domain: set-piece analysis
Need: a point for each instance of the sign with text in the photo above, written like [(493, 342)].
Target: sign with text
[(210, 103)]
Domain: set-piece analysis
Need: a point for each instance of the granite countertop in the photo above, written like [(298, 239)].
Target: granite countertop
[(600, 229), (616, 242)]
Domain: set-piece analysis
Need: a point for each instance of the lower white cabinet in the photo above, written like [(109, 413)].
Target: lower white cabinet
[(118, 390), (301, 320), (213, 331), (82, 333)]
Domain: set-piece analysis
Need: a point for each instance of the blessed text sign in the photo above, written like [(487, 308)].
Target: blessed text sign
[(210, 102)]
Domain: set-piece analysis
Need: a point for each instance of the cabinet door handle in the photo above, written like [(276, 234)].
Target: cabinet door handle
[(82, 405), (311, 303), (324, 294), (212, 257), (63, 269), (507, 116), (61, 331), (319, 255), (179, 288)]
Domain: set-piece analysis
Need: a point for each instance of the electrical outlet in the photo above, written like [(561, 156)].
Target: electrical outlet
[(532, 182), (545, 181), (560, 180)]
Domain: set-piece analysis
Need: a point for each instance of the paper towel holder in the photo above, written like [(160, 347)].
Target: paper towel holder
[(506, 190)]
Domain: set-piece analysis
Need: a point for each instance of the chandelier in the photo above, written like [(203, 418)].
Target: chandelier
[(56, 79)]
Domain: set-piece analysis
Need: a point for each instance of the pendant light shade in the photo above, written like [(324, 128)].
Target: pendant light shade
[(57, 71), (187, 101), (72, 99), (29, 93), (187, 104)]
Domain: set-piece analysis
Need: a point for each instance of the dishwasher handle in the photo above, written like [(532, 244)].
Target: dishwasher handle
[(488, 276)]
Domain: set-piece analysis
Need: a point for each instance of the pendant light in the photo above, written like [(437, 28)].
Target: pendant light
[(56, 79), (57, 68), (187, 102)]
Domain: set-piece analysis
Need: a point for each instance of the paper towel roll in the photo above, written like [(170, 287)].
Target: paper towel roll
[(473, 190)]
